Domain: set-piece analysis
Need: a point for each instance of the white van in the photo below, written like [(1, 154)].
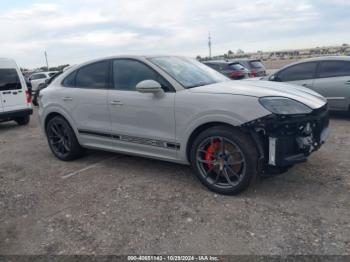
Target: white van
[(15, 101)]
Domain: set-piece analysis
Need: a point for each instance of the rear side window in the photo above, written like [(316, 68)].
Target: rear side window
[(128, 73), (9, 80), (256, 64), (235, 66), (69, 81), (334, 69), (93, 76), (298, 72)]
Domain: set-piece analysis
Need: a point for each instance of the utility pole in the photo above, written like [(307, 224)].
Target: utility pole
[(209, 44), (47, 63)]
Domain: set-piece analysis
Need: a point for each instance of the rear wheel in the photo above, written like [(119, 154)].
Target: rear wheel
[(62, 140), (224, 160), (22, 121)]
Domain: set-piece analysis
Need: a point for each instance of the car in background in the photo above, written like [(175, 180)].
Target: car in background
[(177, 109), (328, 76), (255, 66), (232, 70), (15, 102), (38, 78), (43, 86)]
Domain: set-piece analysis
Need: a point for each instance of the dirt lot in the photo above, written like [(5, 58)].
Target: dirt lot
[(115, 204)]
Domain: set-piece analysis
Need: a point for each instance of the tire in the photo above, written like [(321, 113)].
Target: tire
[(224, 159), (22, 121), (62, 140)]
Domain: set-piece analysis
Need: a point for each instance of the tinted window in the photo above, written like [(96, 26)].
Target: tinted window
[(298, 72), (69, 81), (236, 67), (334, 69), (9, 80), (256, 64), (38, 76), (93, 76), (128, 73)]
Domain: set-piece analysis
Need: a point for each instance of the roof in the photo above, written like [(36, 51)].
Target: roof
[(321, 58)]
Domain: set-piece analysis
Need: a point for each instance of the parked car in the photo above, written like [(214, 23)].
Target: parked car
[(177, 109), (38, 78), (15, 103), (328, 76), (42, 86), (232, 70), (255, 66)]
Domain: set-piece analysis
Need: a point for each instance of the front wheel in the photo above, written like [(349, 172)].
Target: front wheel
[(224, 159), (62, 140)]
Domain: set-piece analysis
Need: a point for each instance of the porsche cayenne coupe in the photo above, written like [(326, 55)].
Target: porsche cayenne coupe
[(177, 109)]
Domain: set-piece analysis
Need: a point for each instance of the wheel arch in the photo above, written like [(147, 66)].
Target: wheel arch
[(55, 113), (201, 128)]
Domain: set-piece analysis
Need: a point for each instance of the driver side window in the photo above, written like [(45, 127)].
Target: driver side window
[(128, 73)]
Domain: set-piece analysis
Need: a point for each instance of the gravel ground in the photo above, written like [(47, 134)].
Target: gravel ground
[(116, 204)]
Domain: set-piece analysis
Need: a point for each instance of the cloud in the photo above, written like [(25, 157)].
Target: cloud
[(75, 30)]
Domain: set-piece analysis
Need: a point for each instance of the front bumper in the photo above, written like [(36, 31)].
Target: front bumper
[(287, 140)]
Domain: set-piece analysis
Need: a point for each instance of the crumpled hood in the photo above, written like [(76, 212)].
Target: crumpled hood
[(265, 88)]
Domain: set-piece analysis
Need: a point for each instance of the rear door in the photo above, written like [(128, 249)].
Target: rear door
[(13, 96), (85, 97), (302, 74), (333, 82)]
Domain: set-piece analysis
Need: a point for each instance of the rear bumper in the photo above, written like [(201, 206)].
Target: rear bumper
[(15, 114), (285, 141)]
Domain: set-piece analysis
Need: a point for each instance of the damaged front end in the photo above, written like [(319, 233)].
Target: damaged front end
[(285, 140)]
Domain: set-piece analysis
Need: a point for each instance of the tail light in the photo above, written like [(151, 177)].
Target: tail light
[(253, 74), (29, 99), (235, 74)]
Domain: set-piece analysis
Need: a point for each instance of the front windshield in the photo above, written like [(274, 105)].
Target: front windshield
[(188, 72)]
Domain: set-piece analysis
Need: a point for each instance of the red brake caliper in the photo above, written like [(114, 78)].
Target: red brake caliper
[(209, 153)]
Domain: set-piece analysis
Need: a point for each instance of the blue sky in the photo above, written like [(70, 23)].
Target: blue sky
[(73, 31)]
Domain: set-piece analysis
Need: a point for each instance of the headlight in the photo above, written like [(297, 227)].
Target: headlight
[(284, 106)]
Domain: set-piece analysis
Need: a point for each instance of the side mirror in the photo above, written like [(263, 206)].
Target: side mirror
[(275, 78), (149, 86)]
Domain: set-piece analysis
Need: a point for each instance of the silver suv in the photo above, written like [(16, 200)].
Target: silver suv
[(177, 109)]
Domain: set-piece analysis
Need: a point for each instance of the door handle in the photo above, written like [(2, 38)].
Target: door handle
[(116, 103), (6, 93), (347, 82), (67, 99)]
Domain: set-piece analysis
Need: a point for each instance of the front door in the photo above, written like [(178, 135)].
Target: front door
[(141, 122), (333, 82)]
